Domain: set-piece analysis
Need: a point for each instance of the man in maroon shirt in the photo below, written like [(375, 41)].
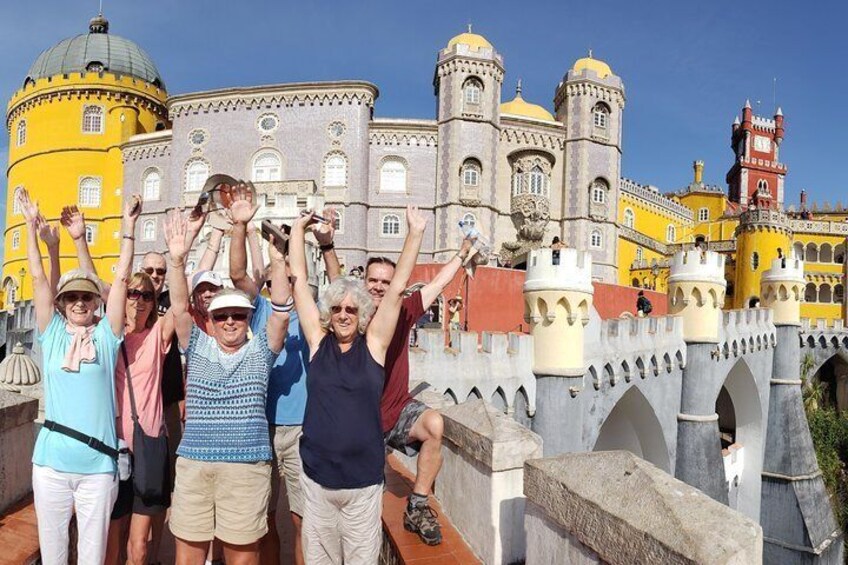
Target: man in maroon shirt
[(408, 425)]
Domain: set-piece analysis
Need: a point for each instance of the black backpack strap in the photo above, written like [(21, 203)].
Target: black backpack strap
[(129, 382), (92, 442)]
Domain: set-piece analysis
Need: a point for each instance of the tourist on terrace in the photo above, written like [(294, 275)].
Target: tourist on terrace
[(342, 445), (223, 480), (74, 461)]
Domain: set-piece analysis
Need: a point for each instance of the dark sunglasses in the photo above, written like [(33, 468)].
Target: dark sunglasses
[(77, 296), (135, 294), (352, 310), (151, 270), (224, 316)]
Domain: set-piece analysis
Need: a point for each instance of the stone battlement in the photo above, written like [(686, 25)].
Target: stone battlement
[(695, 265), (573, 272), (747, 330), (785, 269)]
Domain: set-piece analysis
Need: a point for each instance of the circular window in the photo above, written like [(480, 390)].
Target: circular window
[(336, 129), (197, 137), (268, 122)]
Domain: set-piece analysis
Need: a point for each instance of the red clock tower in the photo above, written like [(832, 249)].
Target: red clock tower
[(756, 177)]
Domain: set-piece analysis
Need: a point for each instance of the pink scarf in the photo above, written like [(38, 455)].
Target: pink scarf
[(82, 347)]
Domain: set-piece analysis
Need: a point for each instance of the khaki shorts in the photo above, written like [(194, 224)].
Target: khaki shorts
[(228, 501), (286, 466)]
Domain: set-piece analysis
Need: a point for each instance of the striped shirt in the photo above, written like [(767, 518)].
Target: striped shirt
[(225, 400)]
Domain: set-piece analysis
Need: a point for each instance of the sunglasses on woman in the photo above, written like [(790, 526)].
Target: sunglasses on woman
[(224, 316), (151, 270), (78, 296), (135, 294), (352, 310)]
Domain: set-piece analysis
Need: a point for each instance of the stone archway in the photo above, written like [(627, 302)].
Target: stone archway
[(833, 374), (633, 426), (740, 422)]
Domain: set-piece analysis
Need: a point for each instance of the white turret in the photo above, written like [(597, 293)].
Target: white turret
[(557, 300), (696, 288), (782, 290)]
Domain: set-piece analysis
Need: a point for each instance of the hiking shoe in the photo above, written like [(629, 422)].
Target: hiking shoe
[(422, 520)]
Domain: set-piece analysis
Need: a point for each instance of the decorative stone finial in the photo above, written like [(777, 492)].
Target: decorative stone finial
[(590, 52), (18, 371), (748, 103), (518, 88), (469, 28)]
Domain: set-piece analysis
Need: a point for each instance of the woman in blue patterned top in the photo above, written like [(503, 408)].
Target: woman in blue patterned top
[(223, 472), (79, 354)]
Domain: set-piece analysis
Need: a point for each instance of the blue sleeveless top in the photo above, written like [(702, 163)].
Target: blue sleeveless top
[(342, 443)]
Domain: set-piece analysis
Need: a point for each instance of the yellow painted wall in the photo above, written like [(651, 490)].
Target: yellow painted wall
[(57, 155)]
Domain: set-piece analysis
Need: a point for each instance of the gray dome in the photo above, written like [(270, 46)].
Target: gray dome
[(95, 51)]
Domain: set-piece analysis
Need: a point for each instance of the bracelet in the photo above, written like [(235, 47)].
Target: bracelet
[(283, 308), (130, 237), (178, 265), (329, 247)]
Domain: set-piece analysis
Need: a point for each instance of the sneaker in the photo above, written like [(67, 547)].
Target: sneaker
[(422, 520)]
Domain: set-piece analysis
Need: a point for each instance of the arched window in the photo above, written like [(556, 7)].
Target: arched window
[(471, 171), (826, 253), (92, 119), (152, 183), (704, 215), (810, 293), (838, 294), (16, 205), (812, 253), (472, 92), (670, 234), (390, 225), (335, 170), (16, 239), (755, 261), (89, 192), (337, 221), (90, 233), (762, 186), (640, 254), (469, 220), (629, 218), (393, 175), (266, 167), (148, 230), (595, 240), (538, 181), (197, 172), (21, 138), (599, 191), (839, 254), (825, 295), (600, 115), (11, 293)]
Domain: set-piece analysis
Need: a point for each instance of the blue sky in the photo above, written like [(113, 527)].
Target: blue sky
[(687, 67)]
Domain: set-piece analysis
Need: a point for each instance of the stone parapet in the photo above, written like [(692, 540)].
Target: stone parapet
[(613, 507), (484, 453), (746, 330), (17, 438)]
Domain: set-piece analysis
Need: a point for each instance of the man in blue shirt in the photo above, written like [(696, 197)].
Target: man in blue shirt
[(286, 401)]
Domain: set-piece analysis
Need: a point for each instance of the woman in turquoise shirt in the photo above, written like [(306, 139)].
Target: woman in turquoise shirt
[(80, 351)]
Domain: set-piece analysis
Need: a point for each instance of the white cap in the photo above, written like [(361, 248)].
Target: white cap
[(230, 300), (210, 277)]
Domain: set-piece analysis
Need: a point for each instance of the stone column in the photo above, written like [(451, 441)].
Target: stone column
[(17, 438)]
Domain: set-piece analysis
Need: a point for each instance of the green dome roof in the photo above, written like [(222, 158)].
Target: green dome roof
[(96, 51)]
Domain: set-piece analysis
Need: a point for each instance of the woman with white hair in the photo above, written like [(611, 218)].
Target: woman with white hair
[(342, 444), (223, 471), (74, 462)]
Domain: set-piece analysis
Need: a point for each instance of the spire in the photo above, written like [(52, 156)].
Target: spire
[(98, 24), (469, 28), (590, 52), (736, 121), (748, 103), (518, 88), (779, 111)]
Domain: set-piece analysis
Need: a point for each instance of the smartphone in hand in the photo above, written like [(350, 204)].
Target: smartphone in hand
[(281, 235), (315, 218)]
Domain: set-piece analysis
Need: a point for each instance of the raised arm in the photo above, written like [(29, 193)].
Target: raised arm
[(382, 327), (41, 289), (49, 234), (213, 247), (434, 288), (325, 233), (256, 260), (74, 222), (307, 310), (179, 241), (281, 301), (241, 212), (116, 303)]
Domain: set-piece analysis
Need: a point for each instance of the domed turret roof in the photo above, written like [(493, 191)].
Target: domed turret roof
[(471, 39), (520, 107), (601, 69), (96, 50)]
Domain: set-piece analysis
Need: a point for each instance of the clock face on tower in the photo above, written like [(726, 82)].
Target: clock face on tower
[(762, 143)]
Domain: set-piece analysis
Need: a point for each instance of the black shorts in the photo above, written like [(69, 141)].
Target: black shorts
[(128, 502)]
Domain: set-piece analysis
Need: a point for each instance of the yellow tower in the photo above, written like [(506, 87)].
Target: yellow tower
[(761, 237), (79, 102), (696, 288), (783, 290), (557, 299)]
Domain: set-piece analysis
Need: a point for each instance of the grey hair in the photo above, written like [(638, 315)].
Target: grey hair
[(336, 292)]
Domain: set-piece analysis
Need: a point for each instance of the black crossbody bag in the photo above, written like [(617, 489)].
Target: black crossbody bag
[(91, 442), (151, 468)]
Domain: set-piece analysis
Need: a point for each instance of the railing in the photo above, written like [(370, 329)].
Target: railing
[(636, 189)]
